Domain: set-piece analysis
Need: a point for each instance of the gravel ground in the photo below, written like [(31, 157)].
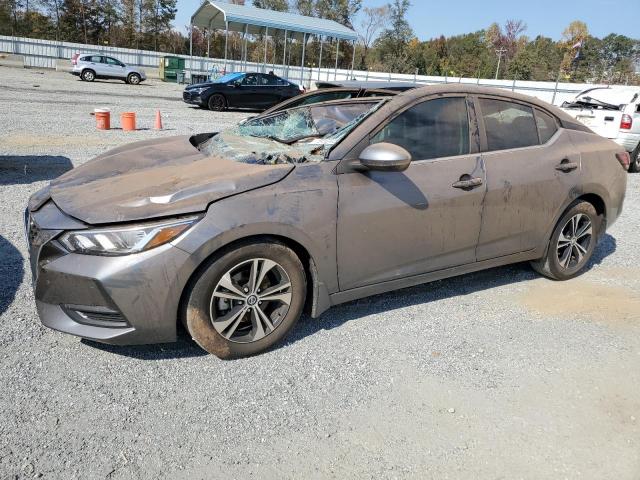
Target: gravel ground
[(498, 374)]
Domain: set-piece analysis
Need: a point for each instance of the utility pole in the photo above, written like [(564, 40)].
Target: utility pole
[(501, 51)]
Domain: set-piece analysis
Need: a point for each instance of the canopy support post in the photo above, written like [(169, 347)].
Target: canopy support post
[(266, 38), (284, 52), (304, 47), (320, 60), (226, 43), (335, 72), (353, 59), (245, 47)]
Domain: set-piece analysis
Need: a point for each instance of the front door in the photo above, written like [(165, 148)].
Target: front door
[(397, 224), (250, 94), (115, 67), (531, 164)]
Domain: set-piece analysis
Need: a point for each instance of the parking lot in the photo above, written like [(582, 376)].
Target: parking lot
[(497, 374)]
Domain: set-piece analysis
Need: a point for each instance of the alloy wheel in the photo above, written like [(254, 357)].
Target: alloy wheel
[(250, 300), (574, 241), (217, 103)]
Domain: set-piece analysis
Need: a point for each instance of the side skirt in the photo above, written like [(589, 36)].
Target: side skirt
[(361, 292)]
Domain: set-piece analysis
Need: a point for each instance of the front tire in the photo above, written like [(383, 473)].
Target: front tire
[(217, 103), (634, 166), (246, 299), (572, 243), (134, 79)]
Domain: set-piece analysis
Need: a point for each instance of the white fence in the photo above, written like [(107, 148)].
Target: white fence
[(46, 53)]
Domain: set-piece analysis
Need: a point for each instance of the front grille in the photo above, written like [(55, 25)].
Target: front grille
[(96, 316)]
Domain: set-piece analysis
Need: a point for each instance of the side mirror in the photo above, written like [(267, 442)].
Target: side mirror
[(385, 157)]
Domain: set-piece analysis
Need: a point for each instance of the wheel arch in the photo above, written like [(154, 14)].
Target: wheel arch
[(212, 94), (593, 198), (317, 297)]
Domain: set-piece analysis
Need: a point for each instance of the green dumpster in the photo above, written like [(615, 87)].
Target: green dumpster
[(169, 68)]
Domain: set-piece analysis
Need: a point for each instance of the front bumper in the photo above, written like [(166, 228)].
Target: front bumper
[(192, 98), (132, 299)]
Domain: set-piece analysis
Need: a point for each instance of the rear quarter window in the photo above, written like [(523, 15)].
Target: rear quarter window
[(547, 126)]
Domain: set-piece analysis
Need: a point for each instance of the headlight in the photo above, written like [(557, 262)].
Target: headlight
[(198, 90), (126, 240)]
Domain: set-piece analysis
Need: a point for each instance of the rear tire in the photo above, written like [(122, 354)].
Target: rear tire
[(217, 103), (88, 75), (634, 166), (246, 299), (572, 242)]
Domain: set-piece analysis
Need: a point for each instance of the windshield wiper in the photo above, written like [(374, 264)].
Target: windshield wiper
[(595, 101)]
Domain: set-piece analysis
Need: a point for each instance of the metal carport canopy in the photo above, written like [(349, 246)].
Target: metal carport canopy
[(241, 18)]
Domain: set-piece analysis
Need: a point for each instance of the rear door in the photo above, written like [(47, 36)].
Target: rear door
[(96, 62), (531, 168), (398, 224)]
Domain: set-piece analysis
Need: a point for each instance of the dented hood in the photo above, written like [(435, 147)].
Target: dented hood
[(155, 178)]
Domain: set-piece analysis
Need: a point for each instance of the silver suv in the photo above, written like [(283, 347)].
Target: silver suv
[(89, 66)]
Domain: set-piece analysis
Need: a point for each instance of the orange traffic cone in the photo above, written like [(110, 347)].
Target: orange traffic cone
[(158, 124)]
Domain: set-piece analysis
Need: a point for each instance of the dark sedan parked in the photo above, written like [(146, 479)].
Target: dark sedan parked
[(241, 90)]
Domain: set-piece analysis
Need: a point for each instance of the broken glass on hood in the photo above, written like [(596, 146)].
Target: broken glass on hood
[(298, 135)]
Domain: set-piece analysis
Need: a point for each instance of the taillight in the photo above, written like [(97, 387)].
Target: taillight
[(74, 58), (625, 122), (624, 159)]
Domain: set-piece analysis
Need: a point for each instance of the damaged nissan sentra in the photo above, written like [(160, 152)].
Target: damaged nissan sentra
[(234, 234)]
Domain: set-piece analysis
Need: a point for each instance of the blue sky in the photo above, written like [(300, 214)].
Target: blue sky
[(432, 18)]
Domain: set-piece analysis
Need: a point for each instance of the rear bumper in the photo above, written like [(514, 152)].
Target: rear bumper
[(628, 141)]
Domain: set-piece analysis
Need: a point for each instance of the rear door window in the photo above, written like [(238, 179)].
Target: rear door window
[(508, 124), (547, 126), (94, 59), (431, 129)]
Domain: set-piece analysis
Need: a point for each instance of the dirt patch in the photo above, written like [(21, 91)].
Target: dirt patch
[(57, 141), (580, 298)]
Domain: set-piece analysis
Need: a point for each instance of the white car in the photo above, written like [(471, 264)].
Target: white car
[(613, 113), (89, 66)]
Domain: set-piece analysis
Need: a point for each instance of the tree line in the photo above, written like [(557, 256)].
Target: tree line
[(386, 39)]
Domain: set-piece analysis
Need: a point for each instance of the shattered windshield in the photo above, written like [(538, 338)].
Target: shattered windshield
[(299, 123), (298, 135)]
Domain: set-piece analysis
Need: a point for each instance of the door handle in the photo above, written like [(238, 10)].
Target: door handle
[(566, 166), (467, 183)]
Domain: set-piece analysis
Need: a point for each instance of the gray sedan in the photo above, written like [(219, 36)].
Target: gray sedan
[(235, 233)]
